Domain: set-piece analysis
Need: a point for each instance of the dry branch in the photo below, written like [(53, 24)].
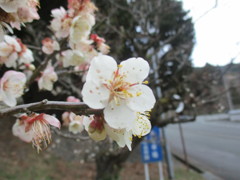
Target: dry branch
[(80, 108)]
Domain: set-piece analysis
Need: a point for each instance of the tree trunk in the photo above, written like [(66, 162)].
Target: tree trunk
[(109, 166)]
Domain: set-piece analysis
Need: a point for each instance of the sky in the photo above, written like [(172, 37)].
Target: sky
[(217, 32)]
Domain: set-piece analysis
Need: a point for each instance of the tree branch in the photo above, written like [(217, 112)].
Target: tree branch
[(80, 108), (65, 72)]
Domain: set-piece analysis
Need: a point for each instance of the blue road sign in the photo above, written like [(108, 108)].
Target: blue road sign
[(151, 149)]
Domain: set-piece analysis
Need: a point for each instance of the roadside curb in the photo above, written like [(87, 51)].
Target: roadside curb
[(205, 174)]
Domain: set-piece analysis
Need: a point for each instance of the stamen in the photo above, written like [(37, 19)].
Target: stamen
[(138, 93), (143, 125), (42, 135)]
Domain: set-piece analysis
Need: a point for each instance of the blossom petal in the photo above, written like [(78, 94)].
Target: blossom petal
[(11, 6), (5, 49), (119, 116), (98, 136), (101, 69), (95, 96), (142, 100), (121, 136), (9, 99), (86, 121), (113, 133), (19, 131), (27, 57), (11, 62), (75, 127), (142, 126), (128, 139), (73, 58), (52, 120), (12, 41), (81, 27), (135, 69)]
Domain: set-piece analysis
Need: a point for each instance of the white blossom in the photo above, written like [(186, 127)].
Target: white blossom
[(120, 90), (36, 128), (76, 123), (94, 125), (98, 129), (49, 45), (81, 27), (48, 78), (11, 87), (61, 22), (9, 50)]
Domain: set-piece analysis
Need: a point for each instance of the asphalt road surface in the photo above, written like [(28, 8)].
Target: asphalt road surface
[(212, 146)]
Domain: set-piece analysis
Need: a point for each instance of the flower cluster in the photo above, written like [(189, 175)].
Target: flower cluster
[(118, 91), (67, 117), (76, 24), (14, 53), (121, 91), (16, 12), (98, 129)]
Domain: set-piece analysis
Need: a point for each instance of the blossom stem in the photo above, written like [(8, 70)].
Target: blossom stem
[(64, 72), (77, 107), (33, 47)]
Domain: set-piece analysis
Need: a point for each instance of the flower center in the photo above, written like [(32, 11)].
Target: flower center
[(119, 88)]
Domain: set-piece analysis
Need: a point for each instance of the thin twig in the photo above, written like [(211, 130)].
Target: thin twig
[(79, 108), (33, 47), (64, 72)]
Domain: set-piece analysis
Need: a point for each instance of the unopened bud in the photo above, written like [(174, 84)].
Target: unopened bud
[(91, 129), (31, 67)]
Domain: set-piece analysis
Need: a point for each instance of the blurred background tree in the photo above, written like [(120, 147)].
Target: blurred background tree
[(156, 29)]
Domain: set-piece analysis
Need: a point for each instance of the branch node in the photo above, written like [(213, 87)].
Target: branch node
[(44, 101), (26, 110)]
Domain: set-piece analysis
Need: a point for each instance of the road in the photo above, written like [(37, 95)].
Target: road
[(212, 146)]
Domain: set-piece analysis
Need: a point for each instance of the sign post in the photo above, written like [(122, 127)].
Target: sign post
[(151, 151)]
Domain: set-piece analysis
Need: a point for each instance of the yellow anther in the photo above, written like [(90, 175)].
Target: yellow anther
[(138, 93), (120, 65), (130, 94), (145, 82)]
